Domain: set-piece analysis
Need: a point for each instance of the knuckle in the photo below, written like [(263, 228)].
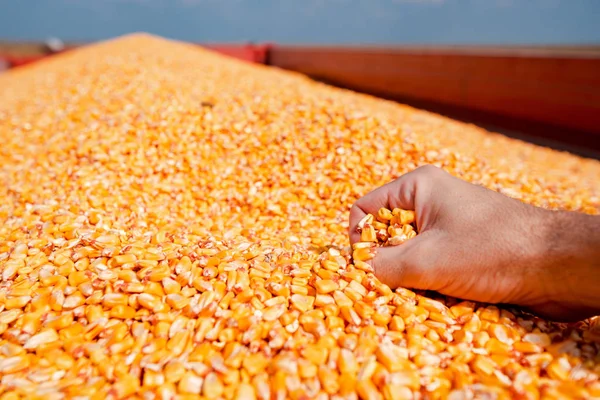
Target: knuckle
[(430, 169)]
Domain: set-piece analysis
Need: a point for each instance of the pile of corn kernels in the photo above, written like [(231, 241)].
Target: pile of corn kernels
[(173, 224), (389, 228)]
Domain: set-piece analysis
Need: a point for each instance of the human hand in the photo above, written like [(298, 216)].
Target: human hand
[(477, 244)]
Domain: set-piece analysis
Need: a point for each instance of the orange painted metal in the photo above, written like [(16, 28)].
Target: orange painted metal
[(249, 52), (557, 92), (19, 61)]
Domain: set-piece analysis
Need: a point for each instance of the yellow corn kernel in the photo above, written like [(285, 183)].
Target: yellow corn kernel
[(368, 234), (329, 380), (111, 300), (404, 216), (483, 365), (559, 369), (16, 302), (325, 286), (314, 354), (384, 214), (149, 301), (126, 386), (122, 312), (367, 390), (60, 322), (341, 299), (347, 363), (125, 259), (363, 254), (174, 372), (525, 347)]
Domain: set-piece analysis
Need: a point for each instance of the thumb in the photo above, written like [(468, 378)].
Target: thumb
[(413, 264)]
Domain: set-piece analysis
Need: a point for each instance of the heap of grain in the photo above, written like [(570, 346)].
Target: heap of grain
[(174, 222)]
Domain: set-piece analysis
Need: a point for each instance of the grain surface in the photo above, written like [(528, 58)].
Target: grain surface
[(174, 223)]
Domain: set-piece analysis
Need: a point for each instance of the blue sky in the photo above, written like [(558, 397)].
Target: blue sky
[(310, 21)]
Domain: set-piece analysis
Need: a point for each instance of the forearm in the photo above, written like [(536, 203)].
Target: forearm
[(573, 256)]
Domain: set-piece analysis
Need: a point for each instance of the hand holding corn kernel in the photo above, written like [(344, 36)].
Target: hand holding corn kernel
[(477, 244)]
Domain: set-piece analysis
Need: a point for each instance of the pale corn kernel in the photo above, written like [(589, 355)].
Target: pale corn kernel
[(176, 301), (6, 317), (153, 378), (190, 383), (540, 339), (171, 286), (341, 299), (11, 365), (397, 240), (362, 245), (367, 219), (149, 301), (350, 315), (134, 287), (44, 337), (392, 357), (73, 301), (483, 365), (274, 312), (302, 303)]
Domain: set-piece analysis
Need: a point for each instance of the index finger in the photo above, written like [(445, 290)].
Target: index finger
[(400, 193), (387, 196)]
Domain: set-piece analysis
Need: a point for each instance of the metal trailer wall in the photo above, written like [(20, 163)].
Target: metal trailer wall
[(550, 93)]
